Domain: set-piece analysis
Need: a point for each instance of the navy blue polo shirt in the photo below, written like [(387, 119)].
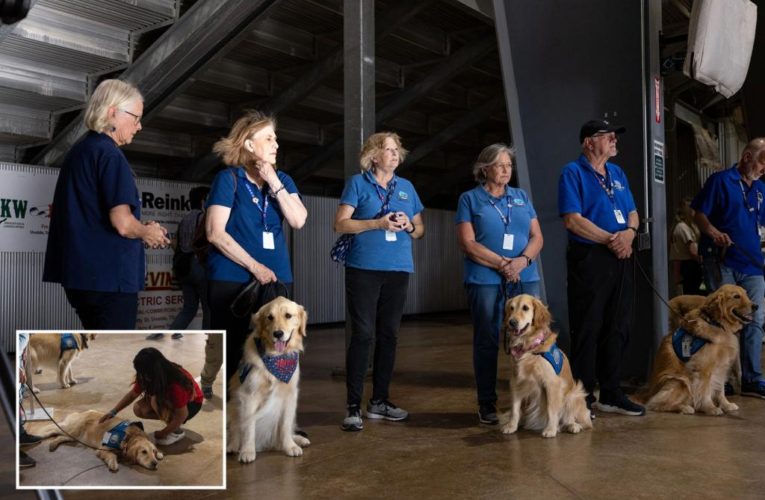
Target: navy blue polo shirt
[(370, 250), (482, 210), (84, 250), (736, 209), (582, 190), (246, 224)]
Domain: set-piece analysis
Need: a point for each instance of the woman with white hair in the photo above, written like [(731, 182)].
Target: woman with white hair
[(96, 238), (498, 230)]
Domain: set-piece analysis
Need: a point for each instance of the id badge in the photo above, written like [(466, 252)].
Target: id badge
[(507, 243), (390, 236), (268, 240), (619, 216)]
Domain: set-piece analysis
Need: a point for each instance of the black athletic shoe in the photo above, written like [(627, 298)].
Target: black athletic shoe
[(25, 461), (590, 400), (487, 414), (620, 404), (26, 439)]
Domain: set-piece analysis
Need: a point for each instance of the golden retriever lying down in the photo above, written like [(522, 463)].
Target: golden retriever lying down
[(541, 399), (264, 391), (691, 364), (129, 441), (56, 350)]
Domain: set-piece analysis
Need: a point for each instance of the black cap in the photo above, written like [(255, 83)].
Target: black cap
[(593, 127)]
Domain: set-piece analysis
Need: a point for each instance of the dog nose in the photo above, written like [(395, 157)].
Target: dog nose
[(514, 323), (278, 334), (755, 307)]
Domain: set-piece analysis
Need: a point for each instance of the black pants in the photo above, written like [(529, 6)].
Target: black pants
[(600, 308), (691, 275), (220, 295), (375, 302), (104, 310)]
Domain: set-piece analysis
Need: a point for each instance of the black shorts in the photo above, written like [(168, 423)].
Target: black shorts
[(193, 410)]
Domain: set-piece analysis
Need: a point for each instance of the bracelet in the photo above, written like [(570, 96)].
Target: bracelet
[(413, 228), (633, 228), (277, 191), (528, 259), (113, 412)]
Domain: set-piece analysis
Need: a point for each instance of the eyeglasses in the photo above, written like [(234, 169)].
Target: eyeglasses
[(135, 116), (611, 136)]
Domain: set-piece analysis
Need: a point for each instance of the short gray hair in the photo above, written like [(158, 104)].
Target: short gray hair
[(108, 93), (488, 157)]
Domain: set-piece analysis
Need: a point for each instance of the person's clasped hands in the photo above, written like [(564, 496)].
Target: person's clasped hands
[(156, 235)]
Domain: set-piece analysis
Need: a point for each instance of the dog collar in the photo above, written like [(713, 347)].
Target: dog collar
[(68, 342), (686, 344), (281, 366), (113, 437), (555, 357)]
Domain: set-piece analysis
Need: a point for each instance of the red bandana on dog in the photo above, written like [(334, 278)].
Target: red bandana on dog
[(281, 366)]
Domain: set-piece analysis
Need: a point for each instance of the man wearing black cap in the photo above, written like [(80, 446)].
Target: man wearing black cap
[(599, 213)]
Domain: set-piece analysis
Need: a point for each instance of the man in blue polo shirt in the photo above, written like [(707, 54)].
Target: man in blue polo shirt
[(600, 216), (729, 212)]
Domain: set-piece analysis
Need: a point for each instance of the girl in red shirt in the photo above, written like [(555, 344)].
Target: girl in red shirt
[(169, 393)]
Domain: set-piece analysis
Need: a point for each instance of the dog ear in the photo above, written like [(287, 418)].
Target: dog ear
[(542, 315), (303, 315), (714, 307)]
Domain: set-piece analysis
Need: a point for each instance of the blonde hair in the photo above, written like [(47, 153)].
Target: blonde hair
[(375, 144), (109, 93), (231, 148), (489, 157)]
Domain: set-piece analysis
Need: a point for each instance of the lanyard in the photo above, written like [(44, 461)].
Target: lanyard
[(605, 183), (382, 194), (255, 200), (505, 218), (746, 198)]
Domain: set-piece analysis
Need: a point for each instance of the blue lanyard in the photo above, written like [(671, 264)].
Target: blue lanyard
[(384, 195), (746, 197), (505, 218), (255, 200), (605, 183)]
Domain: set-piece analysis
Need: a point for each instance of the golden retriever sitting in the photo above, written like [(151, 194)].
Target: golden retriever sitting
[(56, 350), (264, 391), (113, 438), (543, 391), (692, 363)]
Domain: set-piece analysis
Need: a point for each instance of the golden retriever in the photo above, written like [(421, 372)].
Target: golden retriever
[(710, 348), (541, 399), (680, 306), (136, 446), (264, 391), (45, 349)]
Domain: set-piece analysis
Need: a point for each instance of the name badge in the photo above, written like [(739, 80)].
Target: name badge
[(619, 217), (507, 243), (390, 236), (268, 240)]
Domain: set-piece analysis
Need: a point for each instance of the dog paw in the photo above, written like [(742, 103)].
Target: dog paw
[(730, 407), (73, 381), (509, 428), (713, 410), (687, 410), (301, 441), (38, 371), (549, 433), (65, 386), (247, 456), (232, 447), (36, 390), (574, 428), (293, 450)]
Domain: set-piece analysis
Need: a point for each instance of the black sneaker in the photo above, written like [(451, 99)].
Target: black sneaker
[(620, 404), (352, 421), (26, 439), (207, 391), (487, 414), (25, 461), (755, 389), (590, 400)]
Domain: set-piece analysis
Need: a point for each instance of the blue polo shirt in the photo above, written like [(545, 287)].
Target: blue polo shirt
[(370, 250), (734, 208), (84, 250), (482, 210), (246, 225), (582, 190)]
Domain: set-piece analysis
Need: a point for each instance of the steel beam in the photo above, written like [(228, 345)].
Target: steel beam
[(201, 36)]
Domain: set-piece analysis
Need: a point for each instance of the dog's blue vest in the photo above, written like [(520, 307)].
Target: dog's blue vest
[(555, 357), (68, 342), (282, 366), (113, 437), (686, 344)]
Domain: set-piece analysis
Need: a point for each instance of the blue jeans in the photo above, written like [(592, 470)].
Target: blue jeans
[(487, 309), (751, 334)]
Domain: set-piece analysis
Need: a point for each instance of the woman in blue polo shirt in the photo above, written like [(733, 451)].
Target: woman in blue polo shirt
[(383, 211), (245, 211), (96, 239), (497, 228)]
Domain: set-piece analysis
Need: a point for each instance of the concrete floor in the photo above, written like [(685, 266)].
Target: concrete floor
[(441, 452), (105, 373)]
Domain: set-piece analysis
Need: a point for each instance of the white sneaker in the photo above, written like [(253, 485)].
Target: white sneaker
[(170, 438)]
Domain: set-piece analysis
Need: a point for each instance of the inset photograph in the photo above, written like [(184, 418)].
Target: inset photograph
[(121, 410)]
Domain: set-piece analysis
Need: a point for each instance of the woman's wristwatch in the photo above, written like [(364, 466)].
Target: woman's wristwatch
[(529, 260), (413, 228)]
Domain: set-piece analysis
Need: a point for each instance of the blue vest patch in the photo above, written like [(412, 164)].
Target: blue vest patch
[(68, 342), (686, 344), (113, 437), (555, 357)]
